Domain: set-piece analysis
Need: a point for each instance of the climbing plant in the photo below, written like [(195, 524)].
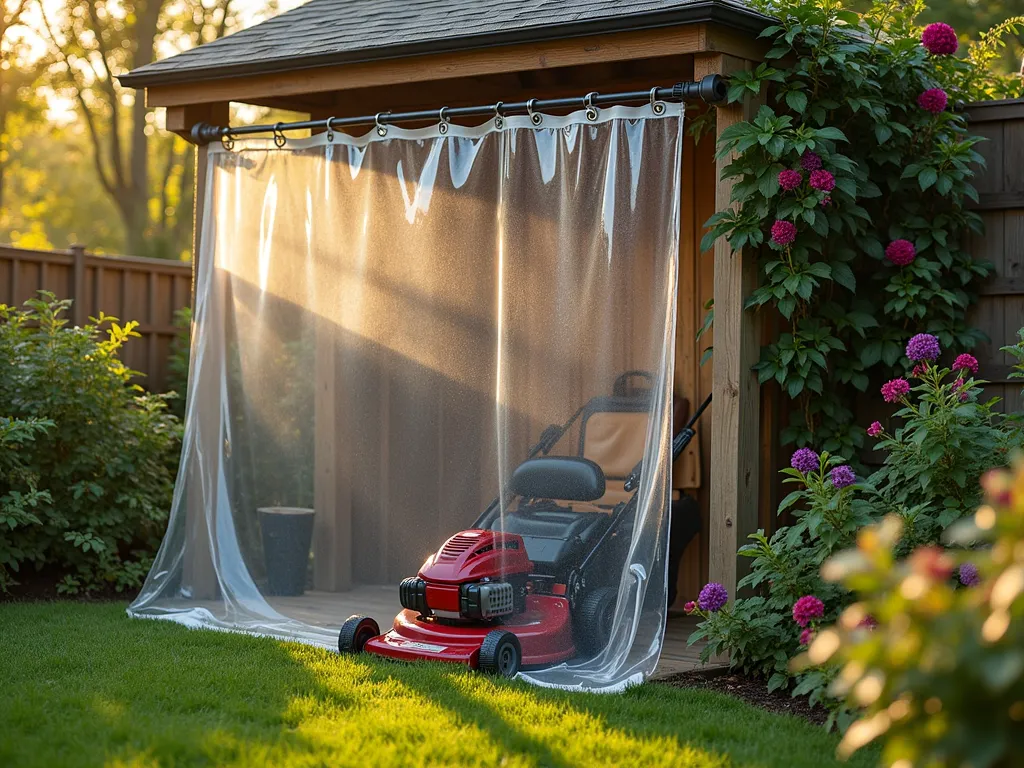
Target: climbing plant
[(851, 190)]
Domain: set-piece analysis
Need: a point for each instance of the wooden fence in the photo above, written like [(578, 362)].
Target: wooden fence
[(127, 287), (1000, 311)]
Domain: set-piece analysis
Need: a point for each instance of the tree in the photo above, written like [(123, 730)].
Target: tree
[(12, 77), (148, 177)]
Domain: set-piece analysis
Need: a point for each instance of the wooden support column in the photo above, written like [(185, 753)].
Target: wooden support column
[(332, 487), (201, 461), (735, 419)]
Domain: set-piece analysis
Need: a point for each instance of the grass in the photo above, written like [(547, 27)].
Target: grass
[(85, 685)]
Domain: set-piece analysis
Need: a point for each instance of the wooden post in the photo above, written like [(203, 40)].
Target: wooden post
[(735, 425), (79, 313), (199, 577), (332, 492)]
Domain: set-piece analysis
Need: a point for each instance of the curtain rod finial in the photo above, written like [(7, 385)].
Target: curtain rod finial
[(204, 133)]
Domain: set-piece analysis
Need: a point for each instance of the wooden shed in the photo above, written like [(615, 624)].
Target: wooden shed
[(339, 58)]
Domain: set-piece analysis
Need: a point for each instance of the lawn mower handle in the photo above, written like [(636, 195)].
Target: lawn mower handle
[(679, 442)]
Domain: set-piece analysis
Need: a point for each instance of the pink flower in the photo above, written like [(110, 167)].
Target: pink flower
[(933, 100), (961, 392), (900, 252), (826, 201), (810, 161), (875, 429), (806, 609), (690, 607), (893, 390), (919, 370), (790, 180), (868, 622), (940, 39), (783, 232), (823, 180), (806, 636), (966, 362), (931, 561), (998, 488)]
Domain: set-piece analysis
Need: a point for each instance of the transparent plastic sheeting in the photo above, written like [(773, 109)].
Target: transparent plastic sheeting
[(384, 326)]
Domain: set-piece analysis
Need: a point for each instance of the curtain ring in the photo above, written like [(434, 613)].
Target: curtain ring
[(227, 141), (330, 131), (588, 102), (382, 129), (657, 107), (445, 122), (279, 137), (499, 119), (535, 117)]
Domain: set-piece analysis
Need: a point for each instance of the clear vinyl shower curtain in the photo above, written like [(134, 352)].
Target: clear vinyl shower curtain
[(384, 325)]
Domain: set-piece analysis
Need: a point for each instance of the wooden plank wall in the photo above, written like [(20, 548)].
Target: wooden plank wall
[(126, 287), (1000, 311)]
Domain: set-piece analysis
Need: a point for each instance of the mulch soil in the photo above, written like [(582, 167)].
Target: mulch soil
[(36, 585), (752, 690)]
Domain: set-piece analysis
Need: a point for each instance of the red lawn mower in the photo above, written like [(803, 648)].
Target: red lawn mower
[(539, 586)]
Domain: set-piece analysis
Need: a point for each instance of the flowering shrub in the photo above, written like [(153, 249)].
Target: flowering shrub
[(761, 633), (940, 677), (947, 440), (855, 175), (88, 459), (930, 478)]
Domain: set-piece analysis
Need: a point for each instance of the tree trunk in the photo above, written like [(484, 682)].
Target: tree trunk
[(136, 213)]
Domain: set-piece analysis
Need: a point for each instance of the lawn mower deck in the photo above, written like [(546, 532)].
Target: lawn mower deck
[(543, 630)]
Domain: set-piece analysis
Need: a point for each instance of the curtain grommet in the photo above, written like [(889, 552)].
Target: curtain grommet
[(535, 117), (445, 123), (499, 119), (382, 129), (588, 104), (657, 107)]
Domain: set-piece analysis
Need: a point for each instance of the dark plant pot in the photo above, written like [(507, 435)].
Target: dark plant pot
[(287, 536)]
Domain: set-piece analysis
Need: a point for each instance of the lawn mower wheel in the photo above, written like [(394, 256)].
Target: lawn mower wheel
[(355, 632), (594, 620), (500, 654)]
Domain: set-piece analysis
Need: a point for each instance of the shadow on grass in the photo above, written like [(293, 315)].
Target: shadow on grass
[(88, 686)]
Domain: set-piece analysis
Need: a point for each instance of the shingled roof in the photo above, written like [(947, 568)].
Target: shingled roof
[(325, 32)]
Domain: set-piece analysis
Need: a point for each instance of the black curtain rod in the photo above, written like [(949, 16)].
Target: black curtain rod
[(710, 89)]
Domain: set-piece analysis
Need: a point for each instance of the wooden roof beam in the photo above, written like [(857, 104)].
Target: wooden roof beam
[(617, 47)]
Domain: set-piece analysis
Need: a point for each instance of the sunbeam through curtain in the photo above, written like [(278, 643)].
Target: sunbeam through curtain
[(386, 327)]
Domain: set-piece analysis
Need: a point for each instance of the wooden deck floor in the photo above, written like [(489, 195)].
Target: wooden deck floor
[(329, 608)]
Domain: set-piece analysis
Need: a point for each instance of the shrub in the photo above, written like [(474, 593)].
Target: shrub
[(935, 459), (19, 494), (102, 454), (852, 184), (929, 480), (939, 671), (759, 632)]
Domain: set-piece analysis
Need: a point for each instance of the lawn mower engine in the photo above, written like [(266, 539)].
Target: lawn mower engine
[(475, 576), (472, 603)]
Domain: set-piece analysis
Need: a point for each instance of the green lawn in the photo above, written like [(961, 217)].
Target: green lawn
[(85, 685)]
